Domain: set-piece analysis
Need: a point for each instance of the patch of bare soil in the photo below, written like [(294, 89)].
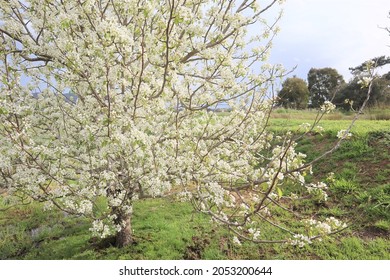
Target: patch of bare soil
[(370, 171), (195, 250), (372, 232)]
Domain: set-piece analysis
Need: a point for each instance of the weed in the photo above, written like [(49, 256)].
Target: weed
[(376, 202), (383, 224), (335, 211), (343, 186), (379, 137)]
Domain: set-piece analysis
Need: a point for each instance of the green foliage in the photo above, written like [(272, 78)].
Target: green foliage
[(323, 84), (28, 232), (294, 94), (344, 186), (382, 137), (353, 248), (14, 241), (334, 211), (356, 148), (375, 62), (352, 95), (283, 120), (383, 225), (376, 202)]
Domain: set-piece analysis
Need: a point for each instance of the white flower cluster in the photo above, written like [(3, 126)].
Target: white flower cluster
[(327, 107), (255, 233), (236, 241), (322, 227), (184, 196), (100, 229), (319, 129), (326, 227), (83, 207), (266, 212), (335, 223), (343, 134), (365, 81), (104, 228), (216, 193), (305, 127), (300, 240), (319, 190)]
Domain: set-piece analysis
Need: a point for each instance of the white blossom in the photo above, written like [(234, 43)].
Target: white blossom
[(343, 134), (236, 241), (327, 107), (300, 240), (365, 81), (305, 126)]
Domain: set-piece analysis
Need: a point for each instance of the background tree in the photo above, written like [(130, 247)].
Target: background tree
[(294, 94), (131, 66), (372, 63), (323, 84), (352, 95)]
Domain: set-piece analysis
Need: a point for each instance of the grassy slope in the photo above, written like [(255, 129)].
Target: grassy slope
[(167, 229)]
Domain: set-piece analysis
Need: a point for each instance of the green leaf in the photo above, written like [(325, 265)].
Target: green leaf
[(280, 192)]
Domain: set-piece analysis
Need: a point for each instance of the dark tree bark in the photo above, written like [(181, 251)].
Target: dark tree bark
[(125, 236)]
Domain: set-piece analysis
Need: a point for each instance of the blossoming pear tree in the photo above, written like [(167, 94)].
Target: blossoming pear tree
[(115, 101)]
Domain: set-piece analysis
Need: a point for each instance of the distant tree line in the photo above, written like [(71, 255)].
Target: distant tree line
[(326, 84)]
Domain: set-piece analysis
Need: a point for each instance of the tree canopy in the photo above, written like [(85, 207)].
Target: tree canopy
[(352, 95), (323, 84), (294, 94), (372, 63)]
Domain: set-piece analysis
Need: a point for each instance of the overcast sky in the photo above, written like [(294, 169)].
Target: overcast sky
[(331, 33)]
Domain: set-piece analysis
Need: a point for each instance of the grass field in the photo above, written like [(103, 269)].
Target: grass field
[(371, 121), (167, 229)]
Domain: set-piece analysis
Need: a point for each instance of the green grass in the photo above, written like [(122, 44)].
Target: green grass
[(368, 114), (167, 229), (331, 127), (283, 120), (162, 229)]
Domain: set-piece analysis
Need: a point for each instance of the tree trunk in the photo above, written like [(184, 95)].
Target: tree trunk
[(125, 236)]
